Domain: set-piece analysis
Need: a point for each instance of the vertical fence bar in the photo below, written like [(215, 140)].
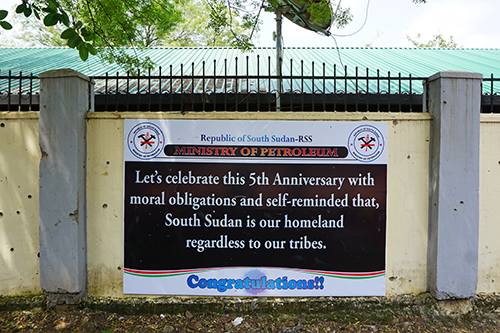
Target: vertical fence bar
[(400, 91), (9, 82), (236, 84), (160, 93), (215, 83), (491, 94), (302, 85), (9, 90), (313, 88), (20, 95), (356, 89), (149, 89), (171, 90), (411, 93), (182, 88), (258, 82), (117, 93), (31, 92), (138, 90), (106, 92), (324, 87), (203, 108), (378, 90), (248, 88), (291, 84), (192, 86), (367, 90), (269, 81), (128, 90), (334, 87), (345, 87), (138, 93), (389, 91), (225, 84)]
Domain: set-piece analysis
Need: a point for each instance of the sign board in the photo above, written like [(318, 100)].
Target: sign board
[(254, 208)]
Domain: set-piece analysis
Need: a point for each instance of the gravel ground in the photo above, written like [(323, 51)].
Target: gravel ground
[(85, 320)]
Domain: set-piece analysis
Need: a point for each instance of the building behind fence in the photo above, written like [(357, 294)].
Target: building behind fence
[(225, 79)]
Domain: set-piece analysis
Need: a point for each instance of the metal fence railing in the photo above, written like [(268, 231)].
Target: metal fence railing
[(490, 99), (19, 92), (189, 90), (202, 92)]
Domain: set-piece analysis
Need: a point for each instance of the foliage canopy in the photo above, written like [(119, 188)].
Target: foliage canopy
[(104, 26)]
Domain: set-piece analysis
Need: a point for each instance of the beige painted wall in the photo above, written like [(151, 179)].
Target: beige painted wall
[(19, 159), (407, 206), (407, 198), (407, 209), (489, 205)]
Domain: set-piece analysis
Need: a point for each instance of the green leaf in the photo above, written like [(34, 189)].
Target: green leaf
[(84, 53), (87, 35), (85, 32), (20, 9), (75, 41), (5, 25), (68, 33), (90, 36), (37, 15), (49, 10), (3, 14), (91, 49), (79, 25), (53, 3), (64, 18), (27, 12), (51, 19), (52, 6)]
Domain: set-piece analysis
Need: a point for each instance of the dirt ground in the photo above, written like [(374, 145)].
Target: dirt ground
[(85, 320)]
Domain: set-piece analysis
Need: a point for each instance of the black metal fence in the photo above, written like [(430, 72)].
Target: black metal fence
[(256, 92), (166, 91), (19, 92), (490, 99)]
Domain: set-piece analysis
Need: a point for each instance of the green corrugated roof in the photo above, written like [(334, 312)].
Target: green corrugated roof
[(415, 61), (419, 62)]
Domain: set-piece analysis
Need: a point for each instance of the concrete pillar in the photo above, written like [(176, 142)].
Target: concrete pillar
[(454, 101), (64, 102)]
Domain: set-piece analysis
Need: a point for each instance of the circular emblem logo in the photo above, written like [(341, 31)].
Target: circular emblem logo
[(366, 143), (145, 141)]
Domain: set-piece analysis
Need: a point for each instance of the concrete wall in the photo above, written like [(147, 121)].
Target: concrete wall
[(489, 205), (19, 245), (407, 200)]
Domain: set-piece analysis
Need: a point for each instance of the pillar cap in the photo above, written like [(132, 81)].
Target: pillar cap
[(456, 75), (65, 72)]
